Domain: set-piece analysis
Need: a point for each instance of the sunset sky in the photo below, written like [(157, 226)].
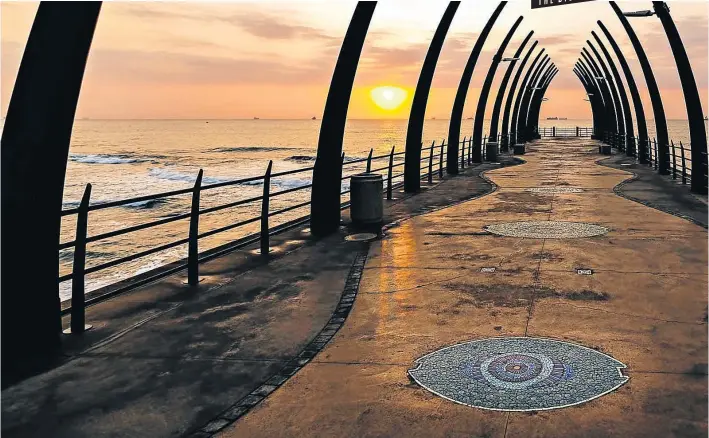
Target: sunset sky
[(275, 59)]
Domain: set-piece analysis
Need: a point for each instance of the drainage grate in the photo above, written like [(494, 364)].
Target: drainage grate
[(488, 270), (583, 271)]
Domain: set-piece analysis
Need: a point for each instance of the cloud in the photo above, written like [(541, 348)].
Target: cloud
[(189, 69), (251, 21)]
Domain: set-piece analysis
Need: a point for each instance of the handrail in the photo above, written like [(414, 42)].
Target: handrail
[(193, 256)]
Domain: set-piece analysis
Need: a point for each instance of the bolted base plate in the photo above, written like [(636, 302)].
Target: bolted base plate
[(69, 332), (186, 281)]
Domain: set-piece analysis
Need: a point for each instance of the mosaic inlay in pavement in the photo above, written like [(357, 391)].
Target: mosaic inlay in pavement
[(518, 374), (546, 229)]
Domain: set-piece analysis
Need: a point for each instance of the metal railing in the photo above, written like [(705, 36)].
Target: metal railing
[(565, 131), (394, 179)]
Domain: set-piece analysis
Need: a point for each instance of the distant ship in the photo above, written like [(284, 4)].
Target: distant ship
[(706, 118), (313, 118), (552, 118), (469, 118), (256, 118)]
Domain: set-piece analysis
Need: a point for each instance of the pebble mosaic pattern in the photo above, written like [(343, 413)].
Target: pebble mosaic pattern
[(546, 229), (518, 374), (361, 237), (554, 190)]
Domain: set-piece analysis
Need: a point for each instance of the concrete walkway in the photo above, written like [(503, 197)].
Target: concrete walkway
[(166, 359), (422, 289)]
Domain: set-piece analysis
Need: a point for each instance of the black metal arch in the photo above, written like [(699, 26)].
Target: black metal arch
[(595, 113), (697, 133), (642, 144), (510, 97), (459, 102), (527, 96), (494, 120), (658, 109), (327, 171), (618, 107), (596, 97), (604, 87), (35, 141), (534, 95), (414, 132), (628, 145), (520, 94), (485, 92), (533, 120)]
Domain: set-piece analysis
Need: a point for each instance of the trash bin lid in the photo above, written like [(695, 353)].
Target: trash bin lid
[(366, 177)]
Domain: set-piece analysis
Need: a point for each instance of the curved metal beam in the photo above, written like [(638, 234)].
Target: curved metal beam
[(327, 171), (414, 132), (494, 120), (459, 103), (534, 95), (695, 115), (629, 134), (485, 92), (510, 97), (520, 93), (620, 117), (35, 141), (526, 98), (597, 97), (663, 142), (603, 86), (643, 152), (537, 104), (592, 102)]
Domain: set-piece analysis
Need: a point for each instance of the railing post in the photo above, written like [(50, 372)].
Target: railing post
[(462, 155), (265, 205), (390, 173), (553, 131), (440, 160), (78, 277), (470, 150), (684, 164), (577, 131), (193, 248), (674, 160), (654, 141), (369, 160), (430, 163)]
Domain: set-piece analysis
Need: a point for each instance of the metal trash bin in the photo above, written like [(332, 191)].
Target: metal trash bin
[(491, 151), (519, 149), (366, 201)]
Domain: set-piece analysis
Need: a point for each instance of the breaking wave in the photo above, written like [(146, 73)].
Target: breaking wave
[(111, 159)]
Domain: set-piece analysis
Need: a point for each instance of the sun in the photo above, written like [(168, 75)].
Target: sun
[(387, 97)]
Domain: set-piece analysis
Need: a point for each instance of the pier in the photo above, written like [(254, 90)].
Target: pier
[(524, 280), (322, 336)]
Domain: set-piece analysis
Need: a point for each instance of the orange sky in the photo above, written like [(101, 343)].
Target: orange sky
[(275, 59)]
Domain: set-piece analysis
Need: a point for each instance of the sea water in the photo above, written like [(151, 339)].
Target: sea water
[(129, 158)]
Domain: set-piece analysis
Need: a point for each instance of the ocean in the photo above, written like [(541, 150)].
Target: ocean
[(128, 158)]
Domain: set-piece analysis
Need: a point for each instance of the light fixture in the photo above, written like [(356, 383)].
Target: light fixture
[(509, 59), (639, 14), (545, 99), (600, 78), (589, 94), (587, 100)]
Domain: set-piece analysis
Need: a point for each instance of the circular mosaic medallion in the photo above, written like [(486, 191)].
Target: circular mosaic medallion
[(554, 190), (546, 229), (518, 374)]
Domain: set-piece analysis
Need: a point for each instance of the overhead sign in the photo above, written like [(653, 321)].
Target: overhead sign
[(536, 4)]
